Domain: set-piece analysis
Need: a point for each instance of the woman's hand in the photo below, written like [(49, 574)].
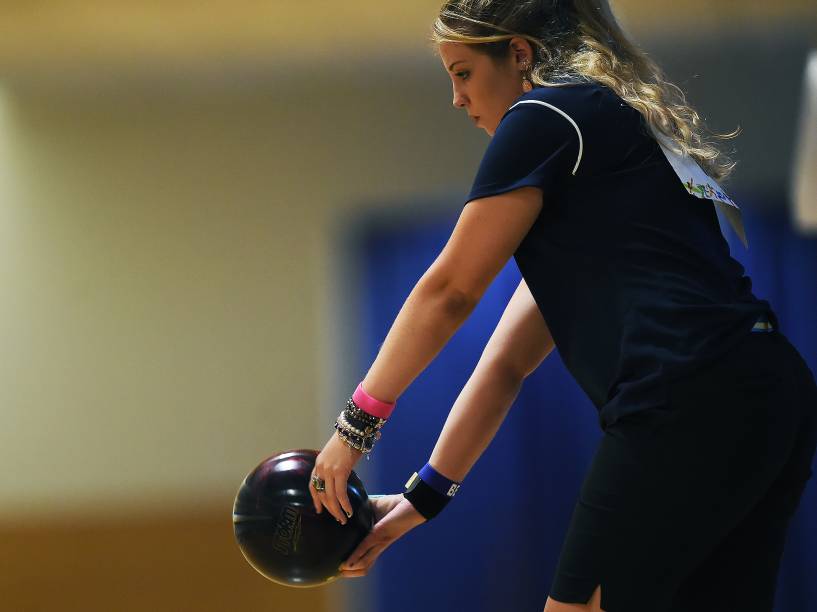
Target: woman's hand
[(334, 465), (394, 516)]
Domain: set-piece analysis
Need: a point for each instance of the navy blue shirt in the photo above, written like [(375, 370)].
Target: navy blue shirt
[(630, 271)]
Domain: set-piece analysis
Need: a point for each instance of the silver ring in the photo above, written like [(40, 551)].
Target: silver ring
[(318, 483)]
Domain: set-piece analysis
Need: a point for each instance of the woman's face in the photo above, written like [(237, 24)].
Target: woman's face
[(483, 87)]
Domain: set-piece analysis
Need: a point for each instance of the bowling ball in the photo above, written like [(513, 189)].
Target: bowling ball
[(278, 530)]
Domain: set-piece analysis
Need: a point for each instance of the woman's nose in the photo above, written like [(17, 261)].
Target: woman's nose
[(459, 99)]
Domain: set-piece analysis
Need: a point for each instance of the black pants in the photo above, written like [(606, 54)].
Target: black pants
[(685, 507)]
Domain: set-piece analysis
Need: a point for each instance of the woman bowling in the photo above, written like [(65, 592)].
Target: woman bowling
[(598, 180)]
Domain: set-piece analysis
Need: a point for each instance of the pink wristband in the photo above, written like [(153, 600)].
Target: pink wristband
[(370, 405)]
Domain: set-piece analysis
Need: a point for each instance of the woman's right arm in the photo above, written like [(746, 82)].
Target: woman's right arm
[(520, 342)]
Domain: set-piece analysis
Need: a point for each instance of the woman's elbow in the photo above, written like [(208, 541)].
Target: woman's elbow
[(517, 367), (454, 301), (458, 304)]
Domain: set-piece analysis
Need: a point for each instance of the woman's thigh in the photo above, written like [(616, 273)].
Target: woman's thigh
[(667, 486)]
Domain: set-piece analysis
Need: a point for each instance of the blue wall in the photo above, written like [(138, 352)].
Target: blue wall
[(496, 545)]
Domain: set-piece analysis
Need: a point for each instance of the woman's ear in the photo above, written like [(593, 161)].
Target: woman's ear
[(521, 51)]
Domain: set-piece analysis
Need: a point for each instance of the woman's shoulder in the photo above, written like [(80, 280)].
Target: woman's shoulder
[(606, 128), (580, 97), (591, 107)]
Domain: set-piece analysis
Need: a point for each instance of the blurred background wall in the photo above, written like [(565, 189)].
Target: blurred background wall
[(177, 301)]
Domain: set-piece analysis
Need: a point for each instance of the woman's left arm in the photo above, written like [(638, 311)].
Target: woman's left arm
[(487, 233)]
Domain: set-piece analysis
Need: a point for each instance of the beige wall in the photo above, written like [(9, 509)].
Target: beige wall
[(168, 302), (163, 276)]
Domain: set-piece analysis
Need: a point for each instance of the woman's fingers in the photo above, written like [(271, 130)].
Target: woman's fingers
[(400, 517), (334, 496), (365, 555), (362, 567), (327, 497), (364, 563), (334, 465), (316, 497), (342, 495), (383, 504), (330, 500)]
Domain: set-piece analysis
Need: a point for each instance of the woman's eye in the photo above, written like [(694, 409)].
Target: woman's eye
[(460, 74)]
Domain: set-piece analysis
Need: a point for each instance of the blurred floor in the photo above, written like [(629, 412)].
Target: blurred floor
[(156, 563)]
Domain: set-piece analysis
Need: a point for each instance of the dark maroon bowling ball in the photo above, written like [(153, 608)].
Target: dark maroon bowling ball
[(278, 530)]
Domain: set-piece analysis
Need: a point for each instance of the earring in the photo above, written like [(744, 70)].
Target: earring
[(526, 84)]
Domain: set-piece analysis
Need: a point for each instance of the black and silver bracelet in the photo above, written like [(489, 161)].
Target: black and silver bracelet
[(364, 444), (357, 428)]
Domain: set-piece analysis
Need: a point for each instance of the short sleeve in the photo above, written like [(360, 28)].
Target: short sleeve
[(535, 145)]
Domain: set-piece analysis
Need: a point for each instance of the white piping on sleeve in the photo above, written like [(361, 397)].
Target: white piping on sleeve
[(566, 116)]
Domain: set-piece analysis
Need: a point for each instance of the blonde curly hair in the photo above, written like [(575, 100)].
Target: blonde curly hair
[(581, 40)]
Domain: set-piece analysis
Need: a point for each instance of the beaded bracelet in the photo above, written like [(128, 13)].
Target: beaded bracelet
[(361, 428), (358, 428), (343, 422), (364, 445), (361, 443), (354, 411)]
